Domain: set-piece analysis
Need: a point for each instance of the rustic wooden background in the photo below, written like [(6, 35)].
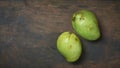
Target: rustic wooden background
[(29, 29)]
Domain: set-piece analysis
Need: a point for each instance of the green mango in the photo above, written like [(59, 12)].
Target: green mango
[(69, 45), (85, 24)]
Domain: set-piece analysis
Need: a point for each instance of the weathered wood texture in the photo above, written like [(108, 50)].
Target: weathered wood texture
[(29, 29)]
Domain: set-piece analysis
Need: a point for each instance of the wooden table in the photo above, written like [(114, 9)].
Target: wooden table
[(29, 30)]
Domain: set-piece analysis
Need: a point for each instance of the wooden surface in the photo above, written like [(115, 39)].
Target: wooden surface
[(29, 29)]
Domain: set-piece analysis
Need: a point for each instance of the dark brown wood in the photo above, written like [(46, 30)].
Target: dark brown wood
[(29, 30)]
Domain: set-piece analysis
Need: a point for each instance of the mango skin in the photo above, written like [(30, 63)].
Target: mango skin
[(69, 45), (85, 24)]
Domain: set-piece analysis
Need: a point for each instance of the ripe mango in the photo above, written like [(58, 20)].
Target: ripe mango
[(69, 45), (86, 25)]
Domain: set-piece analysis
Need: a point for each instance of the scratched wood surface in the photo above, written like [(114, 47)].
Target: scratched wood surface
[(29, 29)]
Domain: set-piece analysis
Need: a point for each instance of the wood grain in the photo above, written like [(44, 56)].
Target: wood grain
[(29, 30)]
